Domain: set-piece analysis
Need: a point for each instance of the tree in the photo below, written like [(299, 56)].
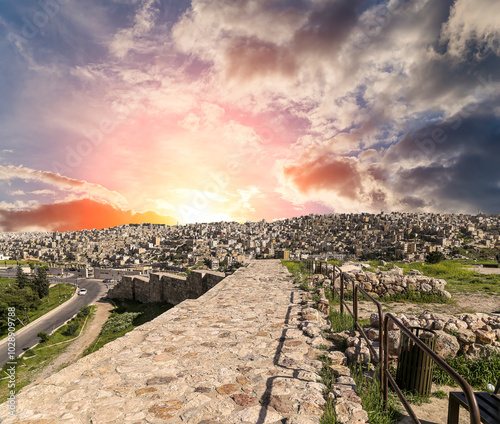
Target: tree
[(41, 282), (23, 300), (434, 258), (22, 280)]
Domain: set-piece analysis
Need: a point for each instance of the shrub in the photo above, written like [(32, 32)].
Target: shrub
[(43, 336), (84, 311), (118, 323), (434, 258), (71, 327)]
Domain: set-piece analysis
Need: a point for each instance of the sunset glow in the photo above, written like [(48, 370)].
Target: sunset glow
[(148, 110)]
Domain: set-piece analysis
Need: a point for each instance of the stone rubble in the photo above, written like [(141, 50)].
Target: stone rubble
[(392, 282), (348, 406), (244, 352)]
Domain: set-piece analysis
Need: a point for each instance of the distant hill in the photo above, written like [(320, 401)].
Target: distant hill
[(74, 216)]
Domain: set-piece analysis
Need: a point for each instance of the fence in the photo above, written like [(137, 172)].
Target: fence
[(384, 374)]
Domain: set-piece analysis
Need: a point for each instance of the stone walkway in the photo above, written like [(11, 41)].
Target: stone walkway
[(235, 355)]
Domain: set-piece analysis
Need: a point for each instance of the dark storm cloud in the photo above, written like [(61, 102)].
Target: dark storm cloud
[(456, 162)]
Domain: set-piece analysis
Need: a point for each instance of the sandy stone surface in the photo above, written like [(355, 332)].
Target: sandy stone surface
[(235, 355)]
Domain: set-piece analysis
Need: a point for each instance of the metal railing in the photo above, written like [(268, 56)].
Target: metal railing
[(384, 374), (354, 312), (387, 377)]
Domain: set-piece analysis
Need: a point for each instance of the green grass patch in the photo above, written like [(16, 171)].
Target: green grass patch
[(327, 377), (340, 322), (458, 278), (440, 394), (297, 269), (6, 282), (370, 392), (304, 286), (128, 315), (34, 360), (478, 373), (416, 398), (416, 297)]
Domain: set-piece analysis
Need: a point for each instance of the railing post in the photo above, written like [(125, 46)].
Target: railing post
[(333, 283), (341, 292), (385, 381), (355, 301)]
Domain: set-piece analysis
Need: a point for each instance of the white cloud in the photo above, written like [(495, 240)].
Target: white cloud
[(127, 39), (472, 20)]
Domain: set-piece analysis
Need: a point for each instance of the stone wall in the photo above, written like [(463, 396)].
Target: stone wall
[(164, 287), (393, 283), (115, 274)]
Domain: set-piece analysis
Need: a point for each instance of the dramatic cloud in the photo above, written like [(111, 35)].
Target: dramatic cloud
[(65, 184), (74, 216), (251, 109)]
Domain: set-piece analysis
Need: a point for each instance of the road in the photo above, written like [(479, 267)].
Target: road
[(27, 337)]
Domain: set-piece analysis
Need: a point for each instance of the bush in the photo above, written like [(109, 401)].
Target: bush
[(71, 327), (84, 311), (43, 336), (118, 323), (434, 258)]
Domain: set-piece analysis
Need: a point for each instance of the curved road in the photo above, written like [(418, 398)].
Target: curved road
[(27, 337)]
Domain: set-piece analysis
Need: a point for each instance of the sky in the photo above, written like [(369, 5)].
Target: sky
[(240, 110)]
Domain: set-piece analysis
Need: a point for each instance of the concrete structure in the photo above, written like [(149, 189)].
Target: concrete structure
[(164, 287), (114, 274)]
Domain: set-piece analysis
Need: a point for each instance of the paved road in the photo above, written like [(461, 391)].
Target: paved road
[(27, 337)]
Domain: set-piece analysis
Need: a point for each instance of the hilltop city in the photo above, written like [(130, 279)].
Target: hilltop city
[(225, 246)]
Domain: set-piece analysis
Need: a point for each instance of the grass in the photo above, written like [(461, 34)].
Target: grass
[(478, 373), (65, 291), (304, 286), (340, 322), (6, 281), (416, 297), (297, 269), (440, 394), (128, 315), (34, 360), (416, 398), (369, 391), (328, 379), (457, 277)]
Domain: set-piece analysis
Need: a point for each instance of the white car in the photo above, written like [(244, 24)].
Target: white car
[(82, 292)]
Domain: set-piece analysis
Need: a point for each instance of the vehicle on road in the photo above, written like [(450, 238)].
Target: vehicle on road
[(82, 292)]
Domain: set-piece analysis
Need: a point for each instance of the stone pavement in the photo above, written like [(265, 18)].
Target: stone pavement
[(234, 355)]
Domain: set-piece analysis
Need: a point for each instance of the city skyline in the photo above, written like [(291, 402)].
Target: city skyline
[(165, 111)]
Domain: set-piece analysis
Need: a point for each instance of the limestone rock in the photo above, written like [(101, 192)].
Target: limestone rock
[(447, 345), (486, 337)]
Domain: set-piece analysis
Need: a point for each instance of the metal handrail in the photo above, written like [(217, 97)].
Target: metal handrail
[(354, 313), (387, 377)]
